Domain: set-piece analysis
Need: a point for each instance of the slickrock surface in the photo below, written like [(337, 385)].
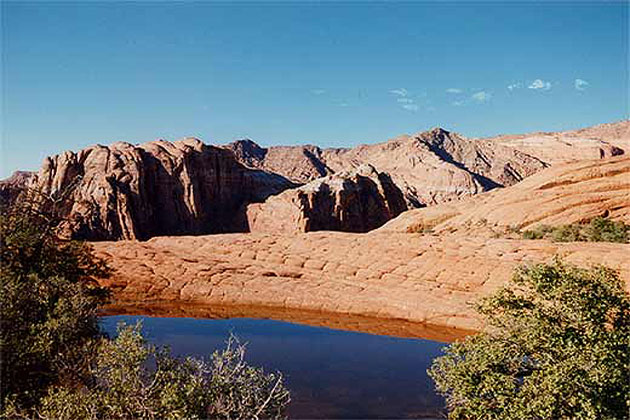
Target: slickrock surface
[(405, 276), (124, 191), (561, 194), (429, 168), (597, 142), (356, 201)]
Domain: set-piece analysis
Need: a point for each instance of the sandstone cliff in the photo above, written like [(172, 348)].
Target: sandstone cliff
[(356, 201), (124, 191)]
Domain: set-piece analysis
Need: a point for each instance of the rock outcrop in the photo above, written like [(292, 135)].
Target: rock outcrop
[(124, 191), (11, 187), (597, 142), (356, 201), (429, 168), (562, 194), (300, 164), (438, 166), (389, 272)]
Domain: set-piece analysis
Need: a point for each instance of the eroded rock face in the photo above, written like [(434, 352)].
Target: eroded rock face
[(124, 191), (429, 168), (300, 164), (12, 186), (356, 201)]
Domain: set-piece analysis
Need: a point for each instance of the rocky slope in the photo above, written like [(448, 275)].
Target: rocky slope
[(597, 142), (300, 164), (430, 167), (389, 272), (124, 191), (356, 201), (563, 194), (11, 187)]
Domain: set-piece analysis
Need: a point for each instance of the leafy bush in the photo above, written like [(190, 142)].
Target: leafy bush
[(556, 348), (125, 387), (600, 229)]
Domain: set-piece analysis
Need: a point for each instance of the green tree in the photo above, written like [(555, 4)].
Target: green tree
[(557, 347)]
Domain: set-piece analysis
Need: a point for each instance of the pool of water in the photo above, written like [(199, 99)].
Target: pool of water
[(330, 373)]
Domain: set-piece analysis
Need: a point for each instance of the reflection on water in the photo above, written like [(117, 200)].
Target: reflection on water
[(331, 373)]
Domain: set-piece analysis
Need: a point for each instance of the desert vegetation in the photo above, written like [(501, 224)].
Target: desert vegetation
[(599, 229), (556, 347), (57, 364)]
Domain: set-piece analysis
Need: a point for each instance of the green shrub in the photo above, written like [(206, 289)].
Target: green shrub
[(599, 229), (556, 347), (48, 305), (224, 387)]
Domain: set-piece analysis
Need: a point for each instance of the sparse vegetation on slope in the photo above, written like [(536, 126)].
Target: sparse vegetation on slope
[(556, 347), (599, 229)]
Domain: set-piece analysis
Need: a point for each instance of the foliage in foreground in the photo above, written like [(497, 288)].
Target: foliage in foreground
[(599, 229), (56, 363), (557, 348), (48, 305), (125, 387)]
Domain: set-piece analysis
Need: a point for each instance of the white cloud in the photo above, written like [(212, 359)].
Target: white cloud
[(318, 91), (539, 84), (399, 92), (581, 84), (343, 104), (481, 97), (405, 100), (411, 107), (453, 90), (457, 103), (513, 86)]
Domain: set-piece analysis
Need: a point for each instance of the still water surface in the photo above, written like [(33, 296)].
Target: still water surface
[(331, 373)]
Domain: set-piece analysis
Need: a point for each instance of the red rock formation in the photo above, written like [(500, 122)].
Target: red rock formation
[(429, 168), (300, 164), (355, 201), (389, 272), (124, 191)]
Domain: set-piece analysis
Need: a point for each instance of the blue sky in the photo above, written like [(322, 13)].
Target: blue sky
[(332, 74)]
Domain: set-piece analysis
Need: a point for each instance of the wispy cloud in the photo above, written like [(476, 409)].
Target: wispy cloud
[(458, 103), (539, 84), (581, 84), (404, 100), (318, 92), (481, 96), (411, 107), (453, 90), (399, 92), (515, 86)]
